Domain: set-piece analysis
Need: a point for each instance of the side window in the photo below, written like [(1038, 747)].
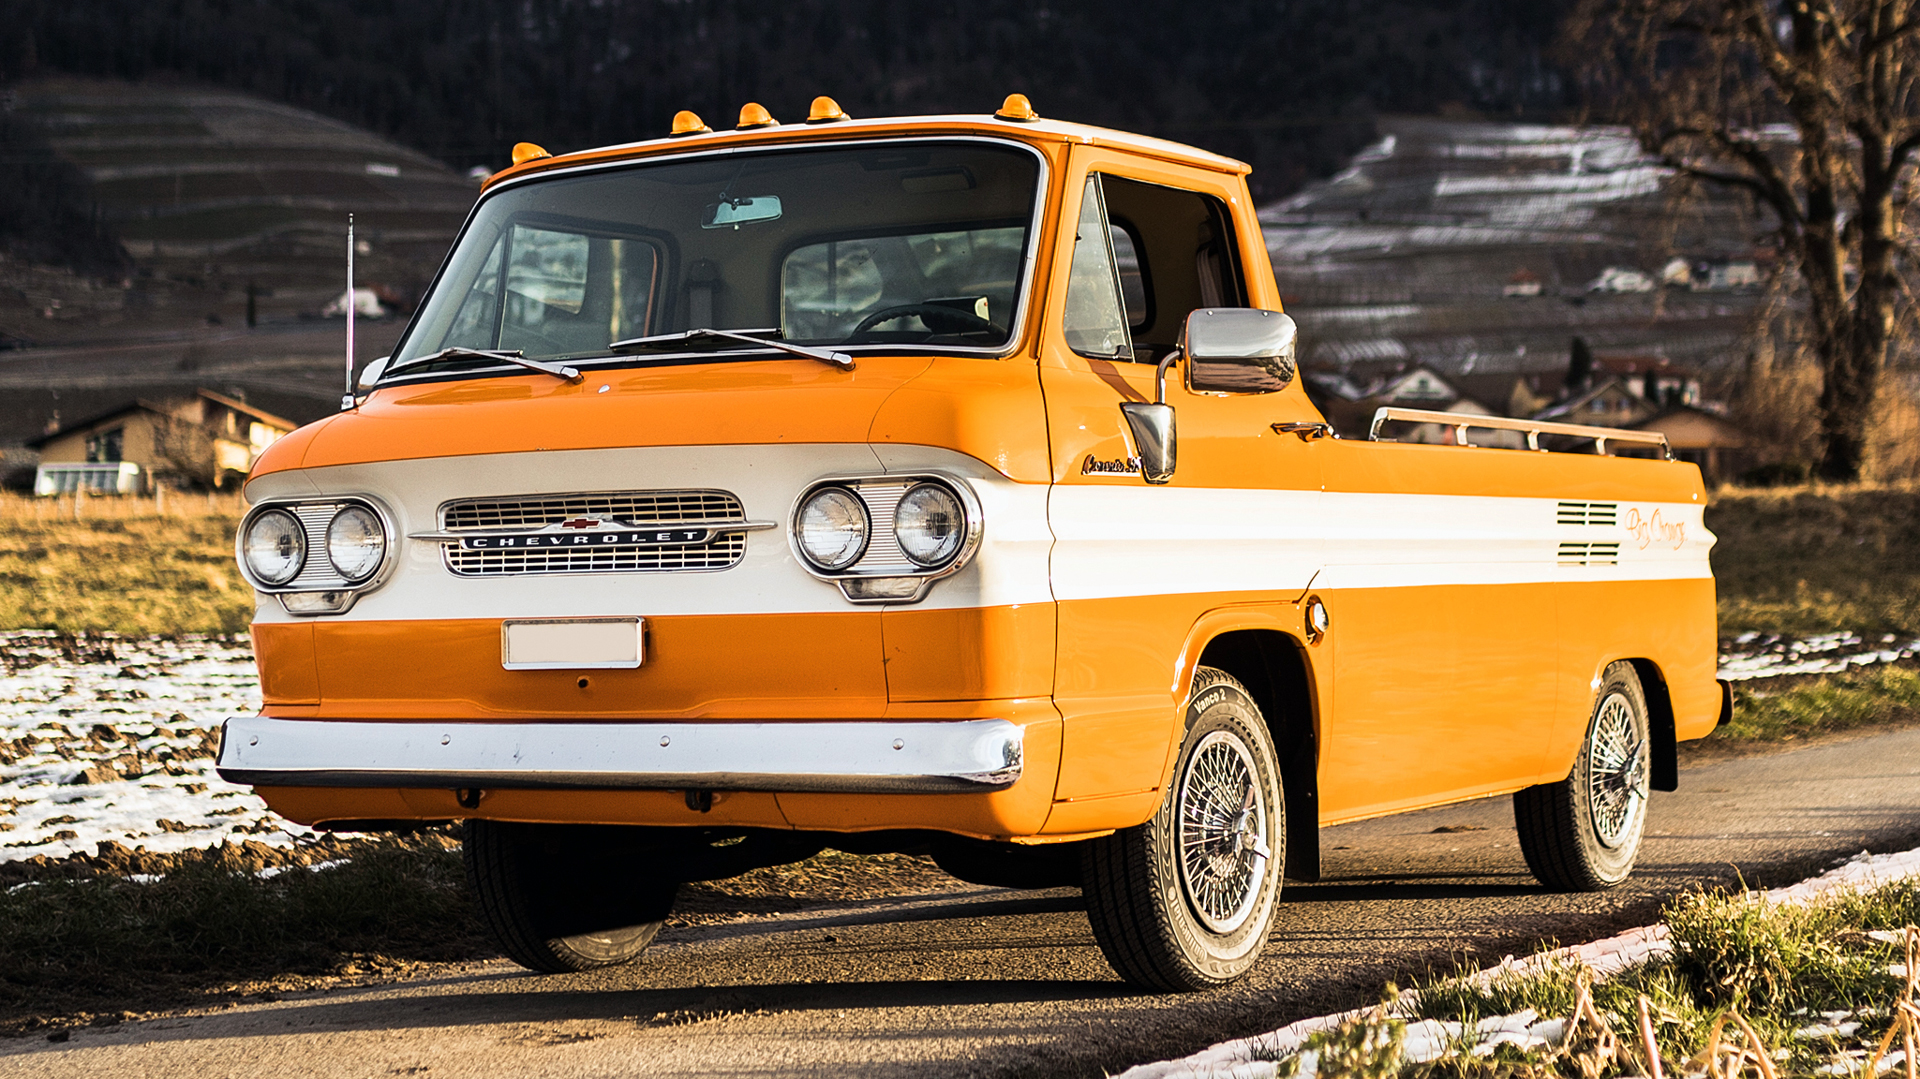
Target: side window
[(1182, 242), (1095, 321), (1133, 282)]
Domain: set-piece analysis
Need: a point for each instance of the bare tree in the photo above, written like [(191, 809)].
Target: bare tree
[(1811, 106), (183, 451)]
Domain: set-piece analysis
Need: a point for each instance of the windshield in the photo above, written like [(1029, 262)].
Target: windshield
[(909, 244)]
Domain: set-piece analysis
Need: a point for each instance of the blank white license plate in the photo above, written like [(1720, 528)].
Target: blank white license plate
[(572, 643)]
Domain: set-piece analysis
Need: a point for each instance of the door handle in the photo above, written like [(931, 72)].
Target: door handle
[(1307, 431)]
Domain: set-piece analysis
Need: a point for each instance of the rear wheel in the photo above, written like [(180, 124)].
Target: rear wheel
[(1582, 834), (561, 898), (1185, 901)]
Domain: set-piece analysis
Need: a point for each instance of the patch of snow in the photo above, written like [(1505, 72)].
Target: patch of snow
[(115, 743), (1756, 656), (1235, 1059)]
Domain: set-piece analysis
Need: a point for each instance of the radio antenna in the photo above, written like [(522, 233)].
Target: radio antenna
[(348, 402)]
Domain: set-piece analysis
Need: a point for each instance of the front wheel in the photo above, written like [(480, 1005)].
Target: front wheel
[(561, 898), (1582, 834), (1185, 901)]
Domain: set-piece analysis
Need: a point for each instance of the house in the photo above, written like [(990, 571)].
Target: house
[(1712, 441), (1350, 407), (206, 439), (1512, 393), (1653, 377), (1524, 282), (1613, 403)]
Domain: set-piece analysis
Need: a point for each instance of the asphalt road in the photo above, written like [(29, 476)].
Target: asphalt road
[(994, 982)]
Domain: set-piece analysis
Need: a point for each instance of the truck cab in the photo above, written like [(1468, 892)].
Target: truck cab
[(938, 484)]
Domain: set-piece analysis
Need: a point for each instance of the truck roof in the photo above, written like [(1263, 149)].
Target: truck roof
[(1032, 131)]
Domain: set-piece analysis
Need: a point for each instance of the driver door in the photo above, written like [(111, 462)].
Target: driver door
[(1136, 565)]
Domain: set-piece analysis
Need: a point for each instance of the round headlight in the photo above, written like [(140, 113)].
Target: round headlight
[(930, 524), (275, 547), (832, 528), (356, 543)]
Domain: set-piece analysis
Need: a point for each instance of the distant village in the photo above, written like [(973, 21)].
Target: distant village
[(1638, 393)]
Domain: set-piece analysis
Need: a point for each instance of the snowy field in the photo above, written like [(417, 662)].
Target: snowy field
[(112, 738)]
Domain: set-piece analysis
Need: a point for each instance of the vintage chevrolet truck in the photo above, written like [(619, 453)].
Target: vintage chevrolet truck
[(937, 484)]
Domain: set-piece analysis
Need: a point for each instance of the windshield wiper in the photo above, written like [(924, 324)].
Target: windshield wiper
[(762, 338), (571, 374)]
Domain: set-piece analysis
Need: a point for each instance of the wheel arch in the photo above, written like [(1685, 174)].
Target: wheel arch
[(1665, 765), (1277, 671)]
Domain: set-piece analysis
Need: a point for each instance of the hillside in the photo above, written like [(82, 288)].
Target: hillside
[(211, 191), (213, 195), (1406, 256)]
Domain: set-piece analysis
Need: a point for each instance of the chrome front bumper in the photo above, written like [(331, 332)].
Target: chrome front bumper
[(837, 756)]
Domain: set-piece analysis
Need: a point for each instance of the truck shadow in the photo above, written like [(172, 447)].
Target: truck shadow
[(529, 1012)]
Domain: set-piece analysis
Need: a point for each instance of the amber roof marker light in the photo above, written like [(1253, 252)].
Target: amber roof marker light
[(753, 114), (687, 122), (1017, 109), (826, 110), (524, 152)]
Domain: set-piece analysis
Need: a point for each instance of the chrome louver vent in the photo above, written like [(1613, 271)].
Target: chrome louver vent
[(1587, 513), (613, 510), (1589, 554)]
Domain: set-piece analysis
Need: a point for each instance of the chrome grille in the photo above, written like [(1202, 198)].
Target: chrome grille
[(884, 556), (634, 507), (318, 574)]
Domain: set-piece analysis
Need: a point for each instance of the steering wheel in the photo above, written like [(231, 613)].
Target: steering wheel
[(939, 319)]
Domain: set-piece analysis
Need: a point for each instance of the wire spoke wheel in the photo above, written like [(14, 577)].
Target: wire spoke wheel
[(1582, 833), (1617, 772), (1221, 833), (1186, 900)]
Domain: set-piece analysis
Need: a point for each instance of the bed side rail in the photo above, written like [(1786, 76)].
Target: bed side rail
[(1462, 422)]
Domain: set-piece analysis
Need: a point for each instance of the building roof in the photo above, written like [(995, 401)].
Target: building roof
[(1575, 404), (1633, 365), (141, 404), (1708, 429)]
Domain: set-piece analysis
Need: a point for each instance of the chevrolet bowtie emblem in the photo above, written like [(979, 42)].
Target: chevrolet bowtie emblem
[(582, 522)]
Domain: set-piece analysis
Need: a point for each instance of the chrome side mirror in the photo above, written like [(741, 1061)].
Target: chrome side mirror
[(1239, 350), (371, 373), (1152, 425)]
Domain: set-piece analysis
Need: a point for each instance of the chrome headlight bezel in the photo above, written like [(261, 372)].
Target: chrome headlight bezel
[(884, 572), (322, 588)]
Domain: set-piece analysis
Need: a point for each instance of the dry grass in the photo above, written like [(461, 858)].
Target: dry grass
[(1781, 968), (1812, 559), (120, 567)]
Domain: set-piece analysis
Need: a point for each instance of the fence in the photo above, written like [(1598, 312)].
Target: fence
[(82, 507)]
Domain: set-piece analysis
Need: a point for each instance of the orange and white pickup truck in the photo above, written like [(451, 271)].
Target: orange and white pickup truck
[(936, 484)]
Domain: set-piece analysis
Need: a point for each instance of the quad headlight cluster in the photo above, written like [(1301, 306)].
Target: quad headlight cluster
[(886, 539), (316, 556)]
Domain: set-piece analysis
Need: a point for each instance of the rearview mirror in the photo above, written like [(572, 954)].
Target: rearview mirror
[(733, 213), (371, 373), (1153, 439), (1239, 350)]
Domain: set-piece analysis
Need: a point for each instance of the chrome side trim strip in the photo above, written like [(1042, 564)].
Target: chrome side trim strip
[(958, 756)]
